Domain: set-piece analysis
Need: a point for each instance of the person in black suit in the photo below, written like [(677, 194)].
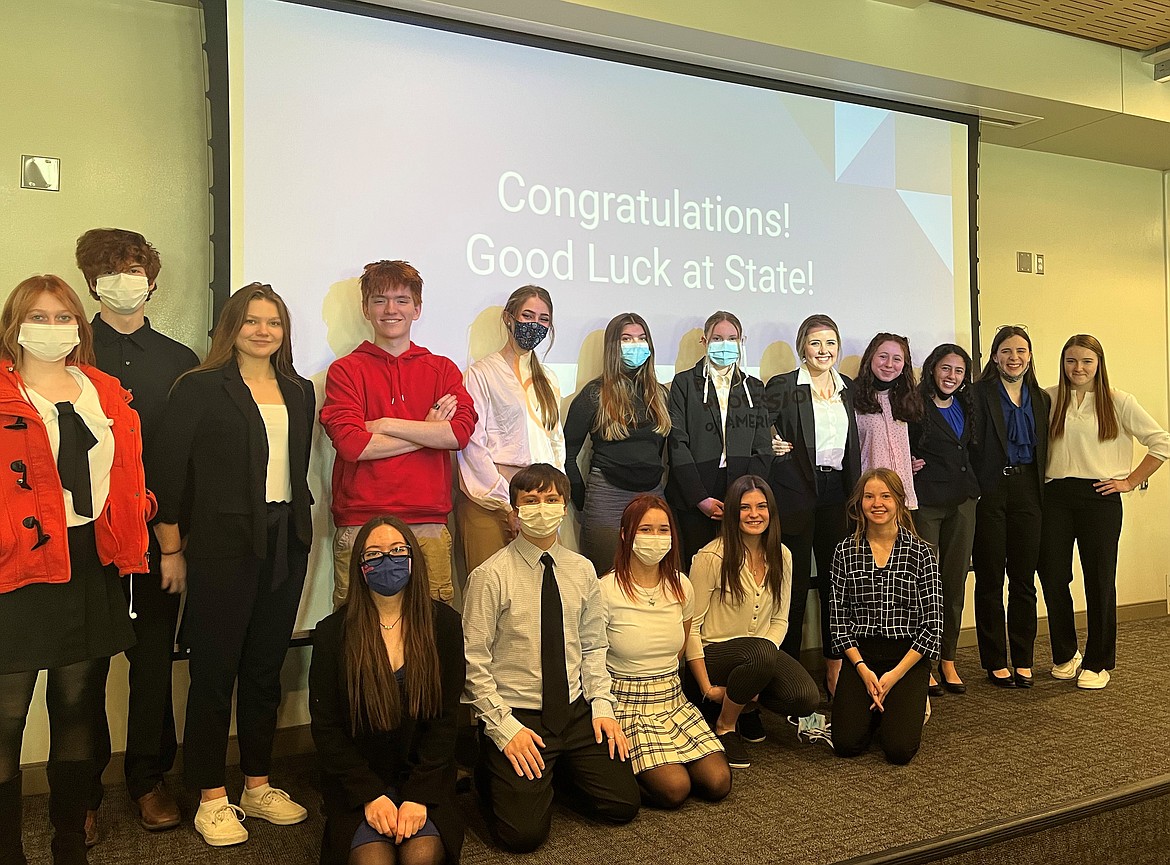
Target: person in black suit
[(230, 465), (815, 464), (1010, 454), (718, 421), (947, 488), (384, 688)]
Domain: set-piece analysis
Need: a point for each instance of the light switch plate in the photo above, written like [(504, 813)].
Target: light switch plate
[(40, 172), (1023, 262)]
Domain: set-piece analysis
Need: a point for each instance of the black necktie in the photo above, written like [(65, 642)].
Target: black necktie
[(554, 712), (73, 457)]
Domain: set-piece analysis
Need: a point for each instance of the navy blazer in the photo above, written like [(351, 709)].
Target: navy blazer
[(793, 476), (209, 461), (989, 453), (948, 478), (697, 434)]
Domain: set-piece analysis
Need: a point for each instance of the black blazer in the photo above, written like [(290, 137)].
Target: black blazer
[(989, 453), (793, 476), (948, 478), (417, 758), (697, 434), (209, 459)]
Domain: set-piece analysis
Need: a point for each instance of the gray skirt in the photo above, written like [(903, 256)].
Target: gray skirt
[(602, 516)]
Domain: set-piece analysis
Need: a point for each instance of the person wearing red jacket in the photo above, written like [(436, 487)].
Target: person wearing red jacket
[(73, 520), (393, 411)]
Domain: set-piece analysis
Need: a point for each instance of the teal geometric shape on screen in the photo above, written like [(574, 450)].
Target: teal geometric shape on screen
[(932, 212), (864, 145)]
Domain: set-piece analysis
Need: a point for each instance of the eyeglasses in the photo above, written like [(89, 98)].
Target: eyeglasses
[(370, 557)]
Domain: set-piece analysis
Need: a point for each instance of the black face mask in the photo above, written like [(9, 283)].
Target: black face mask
[(529, 334), (878, 384)]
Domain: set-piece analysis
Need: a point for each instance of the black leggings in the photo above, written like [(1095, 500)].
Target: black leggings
[(753, 665), (76, 698)]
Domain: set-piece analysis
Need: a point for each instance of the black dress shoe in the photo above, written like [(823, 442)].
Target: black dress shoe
[(1001, 681), (953, 687), (935, 690), (1023, 681)]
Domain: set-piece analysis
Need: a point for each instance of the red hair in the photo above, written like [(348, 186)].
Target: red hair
[(21, 301), (667, 568)]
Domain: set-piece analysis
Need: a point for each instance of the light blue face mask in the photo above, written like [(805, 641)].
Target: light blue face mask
[(634, 354), (723, 352)]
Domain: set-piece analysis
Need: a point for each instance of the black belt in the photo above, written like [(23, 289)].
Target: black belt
[(1008, 471), (826, 469)]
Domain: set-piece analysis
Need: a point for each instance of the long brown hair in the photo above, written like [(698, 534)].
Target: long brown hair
[(735, 550), (905, 400), (893, 483), (550, 408), (375, 704), (231, 319), (1108, 427), (991, 368), (615, 405), (667, 568), (18, 304)]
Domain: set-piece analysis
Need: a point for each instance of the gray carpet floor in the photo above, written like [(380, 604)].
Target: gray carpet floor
[(987, 756)]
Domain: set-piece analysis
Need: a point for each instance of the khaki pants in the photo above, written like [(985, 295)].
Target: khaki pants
[(434, 541), (482, 532)]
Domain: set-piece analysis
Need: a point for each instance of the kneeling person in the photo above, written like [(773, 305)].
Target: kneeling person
[(541, 701)]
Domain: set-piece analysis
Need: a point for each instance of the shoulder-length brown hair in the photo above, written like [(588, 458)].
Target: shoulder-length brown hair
[(890, 478), (667, 568), (23, 298), (1108, 427), (375, 702), (550, 408), (615, 405), (905, 400), (734, 548), (991, 369), (231, 319)]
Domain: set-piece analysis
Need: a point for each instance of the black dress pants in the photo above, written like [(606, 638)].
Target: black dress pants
[(236, 628), (1074, 512), (899, 727), (520, 810), (808, 535), (1007, 540)]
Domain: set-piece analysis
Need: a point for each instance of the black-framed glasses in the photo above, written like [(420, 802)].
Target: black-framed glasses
[(400, 551)]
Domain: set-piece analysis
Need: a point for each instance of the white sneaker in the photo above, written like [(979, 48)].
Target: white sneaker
[(218, 821), (1091, 681), (1067, 670), (272, 804)]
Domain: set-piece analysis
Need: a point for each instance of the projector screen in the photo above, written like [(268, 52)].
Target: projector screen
[(617, 184)]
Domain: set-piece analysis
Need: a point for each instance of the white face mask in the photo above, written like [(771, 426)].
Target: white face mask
[(123, 292), (651, 549), (48, 342), (542, 520)]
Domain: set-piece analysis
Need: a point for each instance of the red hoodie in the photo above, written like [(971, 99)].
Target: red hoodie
[(369, 384)]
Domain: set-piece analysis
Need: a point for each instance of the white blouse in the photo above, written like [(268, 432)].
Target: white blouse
[(277, 477), (510, 433), (1080, 454), (101, 455), (830, 420), (645, 633)]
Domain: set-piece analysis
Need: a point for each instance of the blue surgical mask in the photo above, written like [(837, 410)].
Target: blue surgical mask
[(634, 354), (723, 352), (387, 575)]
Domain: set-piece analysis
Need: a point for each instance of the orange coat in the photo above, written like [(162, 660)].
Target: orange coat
[(34, 540)]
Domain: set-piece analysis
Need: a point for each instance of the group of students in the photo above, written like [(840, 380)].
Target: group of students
[(652, 681)]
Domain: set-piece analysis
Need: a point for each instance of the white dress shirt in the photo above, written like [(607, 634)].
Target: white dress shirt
[(830, 420), (1080, 454)]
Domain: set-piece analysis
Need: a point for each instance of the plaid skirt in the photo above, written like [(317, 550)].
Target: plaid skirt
[(662, 725)]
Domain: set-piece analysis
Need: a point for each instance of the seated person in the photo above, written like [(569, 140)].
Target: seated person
[(742, 582), (535, 642), (648, 616), (384, 687), (885, 615)]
